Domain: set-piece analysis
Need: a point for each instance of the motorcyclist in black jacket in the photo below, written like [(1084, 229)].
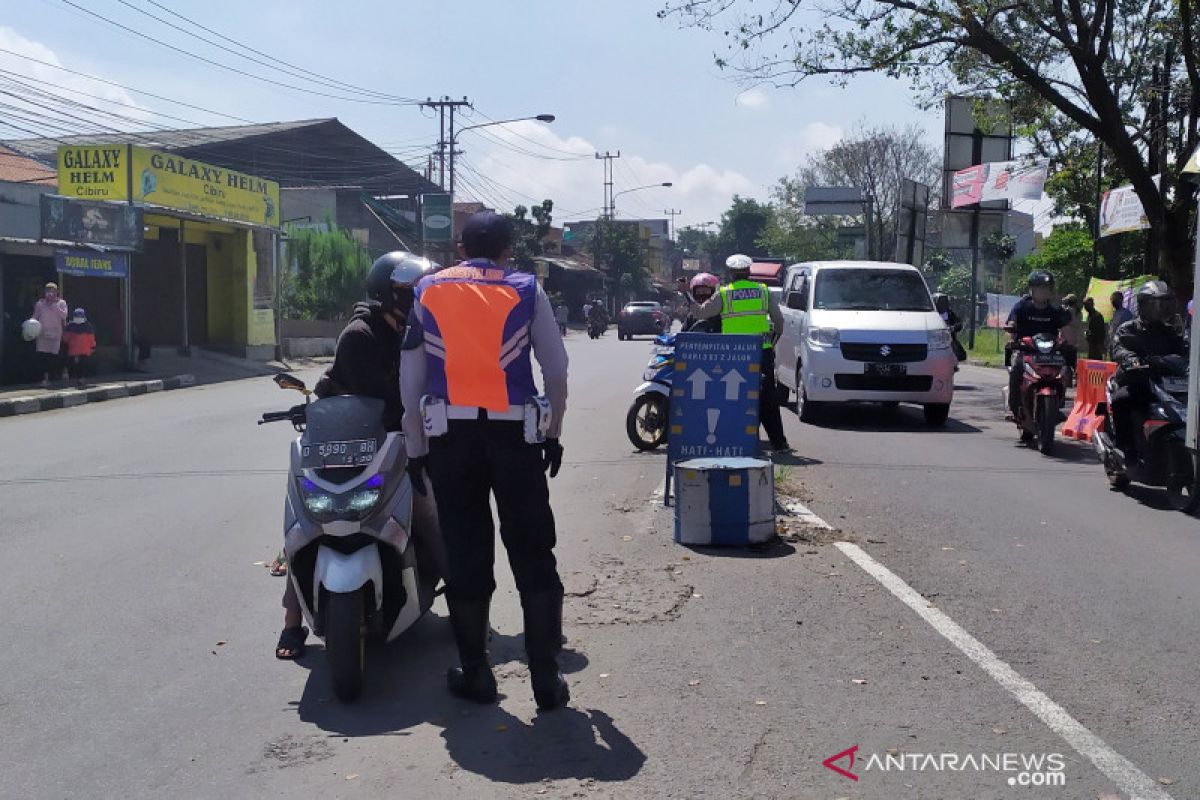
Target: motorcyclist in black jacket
[(1037, 314), (367, 359), (1142, 342), (367, 363)]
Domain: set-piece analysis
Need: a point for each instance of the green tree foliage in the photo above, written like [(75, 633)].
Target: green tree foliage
[(1125, 74), (530, 226), (617, 247), (741, 228), (327, 272), (1067, 255)]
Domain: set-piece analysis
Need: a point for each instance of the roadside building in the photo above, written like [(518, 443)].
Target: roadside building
[(215, 204)]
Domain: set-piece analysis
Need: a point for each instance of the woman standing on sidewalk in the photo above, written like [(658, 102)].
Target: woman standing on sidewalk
[(51, 312)]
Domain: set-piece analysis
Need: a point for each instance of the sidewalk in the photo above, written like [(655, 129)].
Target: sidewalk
[(163, 372)]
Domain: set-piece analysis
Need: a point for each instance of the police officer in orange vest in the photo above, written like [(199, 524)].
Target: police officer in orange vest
[(475, 420)]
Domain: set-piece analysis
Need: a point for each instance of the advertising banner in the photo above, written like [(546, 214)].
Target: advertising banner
[(88, 222), (999, 180), (172, 181), (90, 263), (1121, 211), (94, 172), (1101, 292)]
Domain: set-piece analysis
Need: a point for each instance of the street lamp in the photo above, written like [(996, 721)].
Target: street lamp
[(665, 184), (547, 118)]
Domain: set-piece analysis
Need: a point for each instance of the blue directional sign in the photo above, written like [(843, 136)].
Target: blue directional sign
[(714, 397)]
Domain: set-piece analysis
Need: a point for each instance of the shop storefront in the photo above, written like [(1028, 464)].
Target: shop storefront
[(203, 273)]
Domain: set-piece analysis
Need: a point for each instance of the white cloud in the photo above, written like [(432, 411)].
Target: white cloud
[(819, 136), (33, 75), (752, 98), (503, 175)]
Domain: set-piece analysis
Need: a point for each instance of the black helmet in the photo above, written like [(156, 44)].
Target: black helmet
[(1039, 277), (1155, 302), (391, 279)]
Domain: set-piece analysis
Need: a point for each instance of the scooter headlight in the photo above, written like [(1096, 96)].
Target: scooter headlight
[(1044, 345), (364, 501), (317, 501)]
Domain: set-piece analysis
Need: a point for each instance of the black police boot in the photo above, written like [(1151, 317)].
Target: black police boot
[(474, 679), (543, 641)]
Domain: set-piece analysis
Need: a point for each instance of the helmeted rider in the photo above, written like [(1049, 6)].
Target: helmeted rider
[(1032, 315), (367, 363), (701, 288), (1142, 342), (367, 359), (747, 307)]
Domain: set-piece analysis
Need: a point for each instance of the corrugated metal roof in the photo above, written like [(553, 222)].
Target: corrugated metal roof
[(46, 149)]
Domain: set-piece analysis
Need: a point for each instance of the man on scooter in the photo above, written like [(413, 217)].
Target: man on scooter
[(1139, 343), (367, 363), (1037, 314)]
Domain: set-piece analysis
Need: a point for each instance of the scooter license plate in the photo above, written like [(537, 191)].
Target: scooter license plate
[(349, 453), (1049, 359), (889, 370)]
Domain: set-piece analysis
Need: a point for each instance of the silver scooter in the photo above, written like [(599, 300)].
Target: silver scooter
[(358, 571)]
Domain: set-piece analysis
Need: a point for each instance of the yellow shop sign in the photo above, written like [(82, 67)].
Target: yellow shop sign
[(173, 181), (104, 172), (94, 172)]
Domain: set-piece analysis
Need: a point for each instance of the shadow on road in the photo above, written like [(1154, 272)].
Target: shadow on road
[(776, 548), (880, 419), (405, 686)]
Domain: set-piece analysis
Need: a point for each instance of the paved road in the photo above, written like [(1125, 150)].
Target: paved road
[(138, 630)]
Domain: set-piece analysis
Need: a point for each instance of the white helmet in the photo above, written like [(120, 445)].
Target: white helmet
[(31, 329), (738, 263)]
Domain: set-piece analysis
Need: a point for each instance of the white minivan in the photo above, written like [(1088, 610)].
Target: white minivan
[(863, 331)]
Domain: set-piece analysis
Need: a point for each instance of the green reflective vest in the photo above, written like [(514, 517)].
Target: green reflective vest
[(745, 308)]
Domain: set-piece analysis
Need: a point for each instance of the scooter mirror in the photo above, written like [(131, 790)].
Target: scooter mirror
[(285, 381)]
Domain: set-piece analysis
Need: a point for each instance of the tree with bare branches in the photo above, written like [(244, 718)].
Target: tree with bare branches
[(1126, 72)]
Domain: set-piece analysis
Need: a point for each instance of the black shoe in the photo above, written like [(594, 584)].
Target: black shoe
[(543, 641), (474, 679)]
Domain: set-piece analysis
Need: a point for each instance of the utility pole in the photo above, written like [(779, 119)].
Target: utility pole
[(442, 104), (672, 212), (606, 214)]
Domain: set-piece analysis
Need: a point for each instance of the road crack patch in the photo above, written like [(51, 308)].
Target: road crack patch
[(618, 593)]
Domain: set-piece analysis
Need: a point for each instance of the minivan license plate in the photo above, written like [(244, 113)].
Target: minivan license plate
[(890, 370), (350, 453)]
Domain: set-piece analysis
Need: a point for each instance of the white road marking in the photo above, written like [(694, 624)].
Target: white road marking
[(1115, 766), (800, 511)]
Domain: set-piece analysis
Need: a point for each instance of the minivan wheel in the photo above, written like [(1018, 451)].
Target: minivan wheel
[(936, 414)]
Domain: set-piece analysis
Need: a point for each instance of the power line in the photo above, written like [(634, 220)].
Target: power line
[(519, 135), (127, 88), (220, 65), (293, 71)]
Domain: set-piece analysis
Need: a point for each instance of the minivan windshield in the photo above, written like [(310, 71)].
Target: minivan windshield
[(871, 290)]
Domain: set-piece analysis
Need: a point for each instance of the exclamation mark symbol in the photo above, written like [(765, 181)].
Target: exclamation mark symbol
[(714, 414)]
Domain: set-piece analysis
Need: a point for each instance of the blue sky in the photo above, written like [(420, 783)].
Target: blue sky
[(616, 77)]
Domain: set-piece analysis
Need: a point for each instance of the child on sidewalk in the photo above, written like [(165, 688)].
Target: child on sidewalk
[(80, 340)]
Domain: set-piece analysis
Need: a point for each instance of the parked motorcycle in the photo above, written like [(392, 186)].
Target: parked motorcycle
[(1043, 391), (1161, 457), (357, 570), (646, 423)]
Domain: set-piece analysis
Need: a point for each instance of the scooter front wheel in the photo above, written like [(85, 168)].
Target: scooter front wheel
[(1047, 421), (345, 643), (1183, 483), (646, 422)]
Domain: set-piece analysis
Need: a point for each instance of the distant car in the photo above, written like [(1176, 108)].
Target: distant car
[(641, 318)]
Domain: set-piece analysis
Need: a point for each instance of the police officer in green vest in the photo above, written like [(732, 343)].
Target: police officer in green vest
[(746, 307)]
